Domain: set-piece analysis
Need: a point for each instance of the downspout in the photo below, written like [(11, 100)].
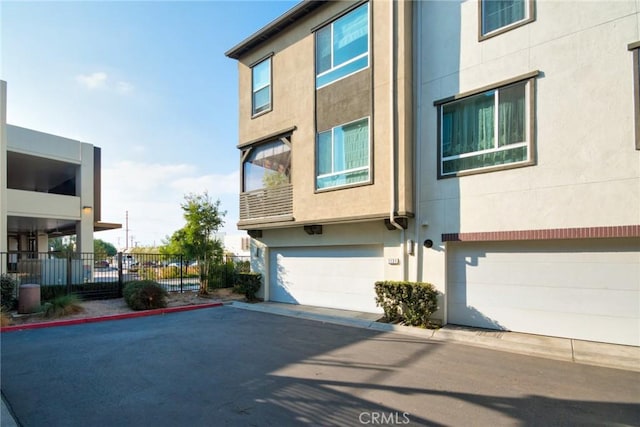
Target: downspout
[(392, 145), (418, 137)]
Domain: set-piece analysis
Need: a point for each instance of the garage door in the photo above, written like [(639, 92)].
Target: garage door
[(579, 289), (337, 277)]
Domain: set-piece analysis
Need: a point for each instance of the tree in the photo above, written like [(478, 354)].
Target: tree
[(102, 249), (195, 240)]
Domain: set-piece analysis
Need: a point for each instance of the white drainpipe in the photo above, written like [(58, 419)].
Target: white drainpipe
[(392, 149), (418, 140)]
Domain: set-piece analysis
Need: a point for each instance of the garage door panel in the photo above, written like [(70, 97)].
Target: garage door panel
[(572, 274), (337, 277), (553, 293)]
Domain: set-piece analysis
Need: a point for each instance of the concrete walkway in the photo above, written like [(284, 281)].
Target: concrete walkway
[(571, 350)]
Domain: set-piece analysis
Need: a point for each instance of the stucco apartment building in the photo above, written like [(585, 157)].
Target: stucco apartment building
[(49, 187), (487, 147)]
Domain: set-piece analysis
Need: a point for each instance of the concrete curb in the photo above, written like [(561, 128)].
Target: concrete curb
[(569, 350), (142, 313)]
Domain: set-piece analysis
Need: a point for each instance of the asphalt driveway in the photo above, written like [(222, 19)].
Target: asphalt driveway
[(227, 366)]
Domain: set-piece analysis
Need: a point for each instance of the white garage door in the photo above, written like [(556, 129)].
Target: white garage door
[(337, 277), (579, 289)]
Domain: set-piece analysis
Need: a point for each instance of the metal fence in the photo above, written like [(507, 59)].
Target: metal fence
[(99, 277)]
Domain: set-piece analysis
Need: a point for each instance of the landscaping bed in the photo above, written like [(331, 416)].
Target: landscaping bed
[(100, 308)]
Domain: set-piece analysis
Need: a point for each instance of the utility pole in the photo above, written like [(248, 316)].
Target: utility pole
[(126, 230)]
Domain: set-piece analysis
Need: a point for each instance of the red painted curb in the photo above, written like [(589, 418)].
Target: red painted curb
[(142, 313)]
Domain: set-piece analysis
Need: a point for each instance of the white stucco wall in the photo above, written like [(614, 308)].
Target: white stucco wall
[(587, 171)]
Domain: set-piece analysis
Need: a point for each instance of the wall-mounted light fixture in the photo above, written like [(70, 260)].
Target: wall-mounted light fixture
[(255, 234), (313, 229), (428, 243), (87, 209), (410, 247)]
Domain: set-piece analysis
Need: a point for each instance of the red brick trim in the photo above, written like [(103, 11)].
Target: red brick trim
[(546, 234)]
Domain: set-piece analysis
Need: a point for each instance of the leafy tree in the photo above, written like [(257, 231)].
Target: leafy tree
[(195, 240), (102, 249)]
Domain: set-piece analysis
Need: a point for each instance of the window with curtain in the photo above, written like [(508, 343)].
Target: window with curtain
[(498, 14), (342, 155), (261, 83), (267, 166), (485, 130), (342, 47)]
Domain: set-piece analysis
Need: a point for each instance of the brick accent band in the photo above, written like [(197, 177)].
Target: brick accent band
[(547, 234)]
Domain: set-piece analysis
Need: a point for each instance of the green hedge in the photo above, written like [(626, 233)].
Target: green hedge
[(8, 292), (410, 302), (248, 284), (144, 295)]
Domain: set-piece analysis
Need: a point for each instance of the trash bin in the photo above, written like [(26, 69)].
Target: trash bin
[(28, 298)]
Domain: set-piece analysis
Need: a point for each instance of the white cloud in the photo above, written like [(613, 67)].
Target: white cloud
[(101, 80), (97, 80), (124, 88)]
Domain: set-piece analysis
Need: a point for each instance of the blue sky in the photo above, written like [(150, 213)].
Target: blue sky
[(147, 82)]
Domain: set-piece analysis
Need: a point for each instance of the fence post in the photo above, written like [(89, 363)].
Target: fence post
[(181, 263), (119, 274), (69, 272)]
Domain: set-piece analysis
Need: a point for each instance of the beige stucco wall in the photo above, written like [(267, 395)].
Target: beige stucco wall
[(3, 166), (43, 205), (293, 105), (587, 172)]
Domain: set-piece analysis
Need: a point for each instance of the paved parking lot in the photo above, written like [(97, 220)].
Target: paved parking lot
[(226, 366)]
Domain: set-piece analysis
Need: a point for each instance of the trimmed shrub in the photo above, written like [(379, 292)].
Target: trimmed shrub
[(410, 302), (62, 306), (248, 284), (8, 298), (144, 295)]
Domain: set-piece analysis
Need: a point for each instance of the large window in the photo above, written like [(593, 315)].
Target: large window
[(342, 47), (267, 166), (261, 83), (497, 16), (486, 130), (342, 155)]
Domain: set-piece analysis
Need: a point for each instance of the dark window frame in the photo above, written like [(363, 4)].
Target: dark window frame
[(530, 88)]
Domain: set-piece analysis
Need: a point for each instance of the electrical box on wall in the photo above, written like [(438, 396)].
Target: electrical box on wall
[(393, 261)]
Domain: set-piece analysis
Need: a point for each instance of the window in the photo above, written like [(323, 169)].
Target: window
[(486, 130), (261, 82), (267, 166), (497, 16), (342, 155), (342, 47)]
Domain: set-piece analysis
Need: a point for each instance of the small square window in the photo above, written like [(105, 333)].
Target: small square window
[(498, 16), (261, 87)]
